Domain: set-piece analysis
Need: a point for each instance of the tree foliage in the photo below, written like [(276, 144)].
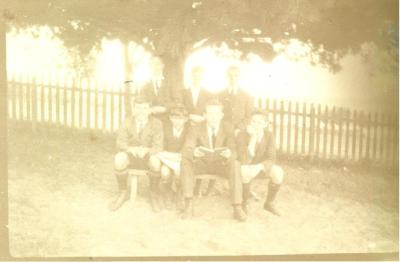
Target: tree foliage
[(171, 27)]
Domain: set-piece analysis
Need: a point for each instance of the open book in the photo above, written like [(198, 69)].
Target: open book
[(212, 152)]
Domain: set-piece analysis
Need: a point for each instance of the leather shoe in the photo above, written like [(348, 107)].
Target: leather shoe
[(238, 213), (119, 201), (188, 211), (269, 206)]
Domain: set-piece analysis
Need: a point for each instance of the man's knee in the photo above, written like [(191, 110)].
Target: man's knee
[(165, 172), (154, 163), (277, 174), (121, 161)]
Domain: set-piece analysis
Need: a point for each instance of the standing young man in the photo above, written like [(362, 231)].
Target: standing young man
[(156, 90), (256, 153), (210, 148), (195, 97), (139, 139), (238, 106)]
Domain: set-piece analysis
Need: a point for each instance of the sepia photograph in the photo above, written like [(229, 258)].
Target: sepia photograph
[(199, 129)]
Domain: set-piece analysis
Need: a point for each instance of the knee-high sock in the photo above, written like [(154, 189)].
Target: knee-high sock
[(246, 191), (272, 191), (122, 179)]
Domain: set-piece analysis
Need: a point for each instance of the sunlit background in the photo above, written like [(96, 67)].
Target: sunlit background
[(290, 75)]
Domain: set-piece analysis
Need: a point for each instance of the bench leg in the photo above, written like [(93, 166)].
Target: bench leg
[(133, 185)]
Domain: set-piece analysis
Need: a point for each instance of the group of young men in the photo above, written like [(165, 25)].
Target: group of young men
[(200, 133)]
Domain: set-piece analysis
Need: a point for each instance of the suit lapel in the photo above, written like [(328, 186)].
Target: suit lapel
[(204, 135), (220, 136), (260, 147), (146, 130)]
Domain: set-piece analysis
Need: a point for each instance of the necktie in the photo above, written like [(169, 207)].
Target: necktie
[(213, 137)]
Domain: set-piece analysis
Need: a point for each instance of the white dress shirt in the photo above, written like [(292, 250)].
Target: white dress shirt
[(253, 143), (140, 126), (195, 95), (177, 133)]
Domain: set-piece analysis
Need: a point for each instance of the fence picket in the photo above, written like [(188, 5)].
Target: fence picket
[(340, 127), (332, 133), (296, 128), (274, 126), (311, 135), (289, 127), (382, 137), (303, 131), (368, 138), (355, 122), (33, 91), (96, 105), (88, 98), (325, 140), (308, 130)]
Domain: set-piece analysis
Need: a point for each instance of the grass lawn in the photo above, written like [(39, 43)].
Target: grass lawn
[(60, 184)]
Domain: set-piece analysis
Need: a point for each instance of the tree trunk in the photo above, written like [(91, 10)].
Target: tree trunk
[(174, 76)]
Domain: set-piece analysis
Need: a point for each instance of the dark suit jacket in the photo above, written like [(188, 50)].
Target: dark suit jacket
[(198, 109), (264, 153), (162, 98), (171, 143), (237, 108), (151, 136), (198, 136)]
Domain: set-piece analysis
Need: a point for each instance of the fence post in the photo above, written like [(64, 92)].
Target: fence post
[(340, 123), (332, 144), (326, 119), (382, 137), (375, 137), (88, 98), (65, 102), (303, 131), (354, 139), (346, 145), (96, 105), (57, 87), (104, 94), (296, 128), (318, 131), (11, 89), (34, 103), (311, 133), (28, 97), (282, 112), (289, 126), (275, 117), (367, 149), (112, 110)]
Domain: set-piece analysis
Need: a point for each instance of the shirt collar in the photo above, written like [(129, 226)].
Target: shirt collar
[(209, 130)]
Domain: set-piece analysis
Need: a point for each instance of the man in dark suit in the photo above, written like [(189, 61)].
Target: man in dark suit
[(210, 148), (139, 139), (238, 106), (195, 97), (156, 91), (256, 153), (175, 131)]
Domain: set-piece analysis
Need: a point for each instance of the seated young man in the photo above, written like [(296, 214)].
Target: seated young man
[(139, 139), (210, 148), (256, 153), (170, 158)]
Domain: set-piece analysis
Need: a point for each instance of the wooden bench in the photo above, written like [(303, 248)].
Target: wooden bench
[(135, 173)]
